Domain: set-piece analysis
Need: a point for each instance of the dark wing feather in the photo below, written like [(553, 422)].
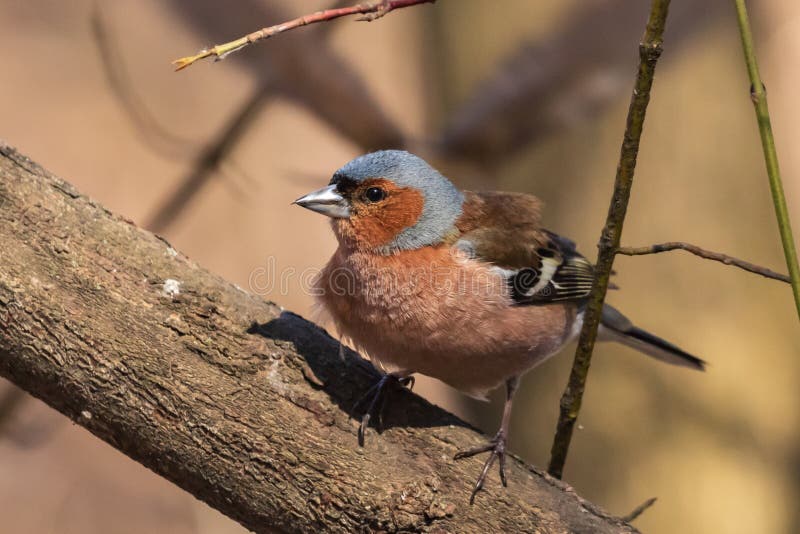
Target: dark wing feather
[(560, 273), (540, 266)]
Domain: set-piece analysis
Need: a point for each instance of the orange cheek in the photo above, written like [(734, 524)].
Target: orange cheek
[(374, 225)]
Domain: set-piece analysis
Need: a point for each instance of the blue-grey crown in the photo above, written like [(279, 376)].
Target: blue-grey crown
[(443, 200)]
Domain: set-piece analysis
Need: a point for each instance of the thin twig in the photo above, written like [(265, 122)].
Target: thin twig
[(758, 94), (303, 72), (703, 253), (305, 69), (639, 510), (369, 11), (649, 52)]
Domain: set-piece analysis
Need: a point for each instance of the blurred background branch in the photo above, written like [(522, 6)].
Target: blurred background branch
[(151, 132), (208, 161), (560, 81), (303, 68), (339, 97)]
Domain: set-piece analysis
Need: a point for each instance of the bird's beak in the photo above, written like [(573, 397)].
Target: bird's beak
[(326, 201)]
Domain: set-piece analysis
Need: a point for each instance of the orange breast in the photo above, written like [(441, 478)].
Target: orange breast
[(435, 312)]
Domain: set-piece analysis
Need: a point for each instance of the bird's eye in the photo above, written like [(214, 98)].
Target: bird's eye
[(375, 194)]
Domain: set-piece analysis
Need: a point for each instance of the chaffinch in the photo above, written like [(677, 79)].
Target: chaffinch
[(462, 286)]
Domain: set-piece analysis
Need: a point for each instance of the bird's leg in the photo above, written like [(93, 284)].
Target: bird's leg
[(497, 446), (374, 395)]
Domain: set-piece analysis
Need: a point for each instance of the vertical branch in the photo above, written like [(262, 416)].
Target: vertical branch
[(758, 94), (649, 52)]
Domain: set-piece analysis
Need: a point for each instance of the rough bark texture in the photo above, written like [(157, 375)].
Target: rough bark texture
[(242, 404)]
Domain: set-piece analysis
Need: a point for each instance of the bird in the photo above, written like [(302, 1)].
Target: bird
[(462, 286)]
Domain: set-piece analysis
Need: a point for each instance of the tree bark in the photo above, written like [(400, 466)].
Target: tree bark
[(244, 405)]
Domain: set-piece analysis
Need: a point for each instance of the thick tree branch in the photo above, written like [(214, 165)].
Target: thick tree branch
[(369, 11), (240, 403), (649, 52), (706, 254), (564, 79)]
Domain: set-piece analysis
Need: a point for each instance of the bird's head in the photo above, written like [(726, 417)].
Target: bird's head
[(388, 201)]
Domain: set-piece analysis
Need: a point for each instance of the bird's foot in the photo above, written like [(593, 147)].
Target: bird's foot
[(376, 398), (497, 451)]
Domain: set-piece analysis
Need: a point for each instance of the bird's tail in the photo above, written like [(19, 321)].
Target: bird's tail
[(616, 327)]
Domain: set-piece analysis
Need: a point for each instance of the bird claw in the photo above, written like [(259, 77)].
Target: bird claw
[(375, 394), (497, 451)]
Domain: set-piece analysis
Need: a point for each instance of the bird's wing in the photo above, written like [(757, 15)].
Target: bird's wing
[(503, 229)]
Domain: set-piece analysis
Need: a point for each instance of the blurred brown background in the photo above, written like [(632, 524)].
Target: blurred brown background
[(518, 95)]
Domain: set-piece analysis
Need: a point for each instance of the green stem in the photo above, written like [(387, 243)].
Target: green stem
[(649, 52), (759, 97)]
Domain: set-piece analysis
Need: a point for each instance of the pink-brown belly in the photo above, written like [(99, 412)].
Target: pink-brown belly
[(441, 316)]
